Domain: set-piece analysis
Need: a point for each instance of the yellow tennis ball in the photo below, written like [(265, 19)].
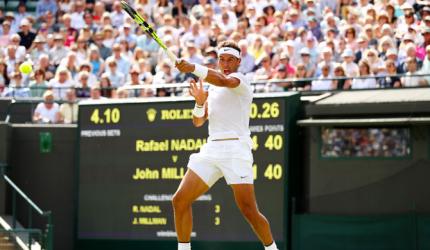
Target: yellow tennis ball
[(25, 68)]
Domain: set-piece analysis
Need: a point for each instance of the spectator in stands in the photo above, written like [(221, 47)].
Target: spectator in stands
[(10, 17), (409, 80), (70, 63), (247, 63), (117, 15), (47, 111), (82, 85), (27, 36), (265, 70), (86, 67), (275, 84), (68, 111), (99, 42), (89, 22), (200, 39), (99, 9), (164, 74), (367, 81), (39, 84), (351, 68), (45, 5), (22, 12), (192, 54), (97, 63), (43, 63), (134, 81), (59, 51), (78, 15), (145, 71), (123, 65), (3, 88), (327, 59), (4, 76), (147, 44), (20, 50), (341, 83), (106, 87), (284, 59), (65, 5), (82, 50), (122, 93), (61, 82), (376, 64), (300, 74), (127, 35), (16, 87), (305, 55), (11, 60), (117, 78), (96, 93), (5, 34), (426, 65), (390, 80), (38, 48), (323, 82)]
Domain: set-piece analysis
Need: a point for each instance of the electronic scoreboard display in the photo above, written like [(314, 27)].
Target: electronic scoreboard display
[(133, 155)]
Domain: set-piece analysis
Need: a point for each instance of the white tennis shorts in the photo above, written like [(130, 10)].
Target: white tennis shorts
[(231, 159)]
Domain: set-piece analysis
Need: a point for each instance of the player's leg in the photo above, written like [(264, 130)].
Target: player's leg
[(245, 199), (191, 188), (239, 175)]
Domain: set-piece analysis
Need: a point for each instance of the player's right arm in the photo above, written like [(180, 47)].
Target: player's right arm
[(200, 95)]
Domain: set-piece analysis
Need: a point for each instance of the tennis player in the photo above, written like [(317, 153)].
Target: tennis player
[(227, 152)]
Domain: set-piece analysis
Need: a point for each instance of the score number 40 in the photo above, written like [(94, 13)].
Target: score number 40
[(108, 116)]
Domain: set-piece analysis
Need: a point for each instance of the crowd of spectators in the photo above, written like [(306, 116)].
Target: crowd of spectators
[(366, 142), (95, 47)]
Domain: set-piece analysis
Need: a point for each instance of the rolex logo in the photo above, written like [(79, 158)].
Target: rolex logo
[(151, 114)]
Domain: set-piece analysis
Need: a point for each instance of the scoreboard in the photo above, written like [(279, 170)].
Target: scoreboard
[(133, 155)]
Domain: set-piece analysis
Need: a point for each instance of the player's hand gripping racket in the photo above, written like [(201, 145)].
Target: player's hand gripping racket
[(147, 28)]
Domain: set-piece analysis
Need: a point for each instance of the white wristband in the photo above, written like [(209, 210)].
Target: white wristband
[(200, 71), (199, 111)]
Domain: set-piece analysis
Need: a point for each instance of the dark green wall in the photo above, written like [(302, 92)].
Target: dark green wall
[(399, 232), (4, 150), (368, 186), (47, 178)]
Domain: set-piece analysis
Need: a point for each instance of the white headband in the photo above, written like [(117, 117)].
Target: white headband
[(230, 51)]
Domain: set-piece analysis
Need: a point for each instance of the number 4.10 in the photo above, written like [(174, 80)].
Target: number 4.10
[(108, 116)]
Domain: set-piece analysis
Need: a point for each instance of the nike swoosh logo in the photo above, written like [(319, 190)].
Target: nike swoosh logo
[(243, 177)]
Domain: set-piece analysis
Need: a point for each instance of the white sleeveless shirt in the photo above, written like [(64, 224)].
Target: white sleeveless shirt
[(229, 109)]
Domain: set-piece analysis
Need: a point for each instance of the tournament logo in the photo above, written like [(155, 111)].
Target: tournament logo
[(151, 114)]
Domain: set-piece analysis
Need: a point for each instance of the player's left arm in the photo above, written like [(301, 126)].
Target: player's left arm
[(213, 77), (218, 79)]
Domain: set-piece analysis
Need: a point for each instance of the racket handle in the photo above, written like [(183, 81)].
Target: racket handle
[(171, 56)]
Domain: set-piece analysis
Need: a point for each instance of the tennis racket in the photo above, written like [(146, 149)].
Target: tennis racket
[(148, 29)]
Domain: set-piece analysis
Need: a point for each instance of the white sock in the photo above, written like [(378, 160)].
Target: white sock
[(184, 246), (271, 247)]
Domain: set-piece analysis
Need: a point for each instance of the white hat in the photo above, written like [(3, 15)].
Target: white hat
[(24, 22), (391, 51), (347, 53), (305, 51), (406, 6), (326, 50), (408, 36), (290, 43), (386, 27)]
